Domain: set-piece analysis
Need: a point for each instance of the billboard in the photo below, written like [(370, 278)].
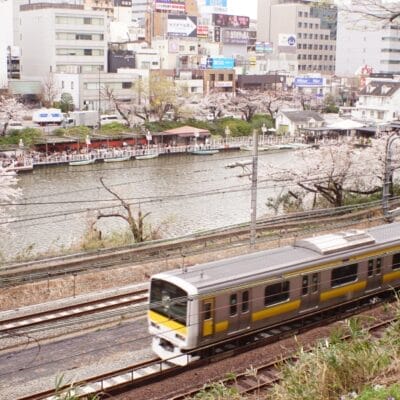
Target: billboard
[(264, 47), (287, 42), (220, 63), (235, 36), (202, 31), (182, 25), (170, 5), (231, 21), (123, 3), (308, 82), (217, 3)]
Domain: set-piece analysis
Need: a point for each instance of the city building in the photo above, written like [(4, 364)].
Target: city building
[(62, 38), (362, 42), (6, 40), (379, 101), (300, 28)]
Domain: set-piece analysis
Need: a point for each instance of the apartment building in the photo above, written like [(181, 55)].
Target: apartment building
[(313, 29), (361, 42), (62, 38)]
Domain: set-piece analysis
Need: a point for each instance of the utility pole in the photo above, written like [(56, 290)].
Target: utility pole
[(253, 177), (388, 178), (253, 223)]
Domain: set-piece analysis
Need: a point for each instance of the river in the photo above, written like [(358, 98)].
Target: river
[(184, 194)]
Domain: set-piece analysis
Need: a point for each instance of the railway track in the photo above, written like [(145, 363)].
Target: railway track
[(10, 323), (267, 230), (156, 370)]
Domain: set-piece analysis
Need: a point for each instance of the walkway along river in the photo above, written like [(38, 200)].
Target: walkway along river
[(183, 193)]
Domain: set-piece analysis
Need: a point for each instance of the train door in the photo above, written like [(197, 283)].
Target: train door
[(310, 290), (239, 310), (208, 310), (374, 273)]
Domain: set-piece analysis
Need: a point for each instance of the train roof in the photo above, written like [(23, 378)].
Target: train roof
[(276, 262)]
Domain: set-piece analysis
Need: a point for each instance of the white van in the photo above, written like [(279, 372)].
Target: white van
[(108, 119)]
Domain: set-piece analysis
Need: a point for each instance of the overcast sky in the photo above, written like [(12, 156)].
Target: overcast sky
[(243, 7)]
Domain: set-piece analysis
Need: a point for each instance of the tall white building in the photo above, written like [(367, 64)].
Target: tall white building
[(6, 39), (361, 42), (62, 38)]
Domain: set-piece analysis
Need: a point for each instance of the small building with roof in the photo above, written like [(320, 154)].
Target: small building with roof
[(182, 136), (291, 123)]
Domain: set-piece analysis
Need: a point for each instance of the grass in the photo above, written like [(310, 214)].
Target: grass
[(337, 369)]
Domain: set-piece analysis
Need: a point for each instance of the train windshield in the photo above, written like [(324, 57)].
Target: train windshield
[(169, 300)]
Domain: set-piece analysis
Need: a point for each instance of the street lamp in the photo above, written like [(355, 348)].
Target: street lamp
[(263, 130), (227, 133)]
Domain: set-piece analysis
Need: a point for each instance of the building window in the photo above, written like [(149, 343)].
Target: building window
[(311, 26), (72, 85), (192, 48), (220, 77), (305, 36), (305, 14), (62, 84), (299, 24), (87, 52), (304, 46), (299, 35), (300, 13), (299, 46), (230, 77), (305, 25), (181, 48), (126, 85), (310, 47)]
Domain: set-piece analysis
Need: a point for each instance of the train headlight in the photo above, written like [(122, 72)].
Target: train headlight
[(154, 325), (180, 337)]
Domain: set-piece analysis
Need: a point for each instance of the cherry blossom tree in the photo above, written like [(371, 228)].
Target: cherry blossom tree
[(328, 175), (8, 193), (10, 109)]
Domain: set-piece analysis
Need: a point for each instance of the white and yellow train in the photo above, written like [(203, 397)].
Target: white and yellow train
[(204, 304)]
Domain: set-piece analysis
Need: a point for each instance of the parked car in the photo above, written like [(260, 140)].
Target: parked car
[(109, 118), (15, 126)]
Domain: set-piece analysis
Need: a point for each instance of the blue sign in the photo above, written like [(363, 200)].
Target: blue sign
[(217, 3), (308, 82), (220, 63)]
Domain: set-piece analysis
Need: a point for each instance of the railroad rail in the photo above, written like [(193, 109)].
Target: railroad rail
[(10, 323), (156, 370), (268, 230)]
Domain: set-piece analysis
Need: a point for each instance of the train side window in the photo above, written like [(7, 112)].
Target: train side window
[(207, 311), (304, 285), (276, 293), (396, 261), (314, 287), (378, 265), (370, 267), (345, 274), (245, 301), (233, 304)]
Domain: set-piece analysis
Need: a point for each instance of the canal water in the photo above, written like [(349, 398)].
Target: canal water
[(184, 194)]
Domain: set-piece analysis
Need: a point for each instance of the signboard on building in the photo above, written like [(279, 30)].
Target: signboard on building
[(308, 82), (287, 43), (223, 84), (182, 25), (217, 3), (264, 47), (170, 5), (235, 36), (231, 21), (220, 63), (217, 34), (202, 31), (123, 3)]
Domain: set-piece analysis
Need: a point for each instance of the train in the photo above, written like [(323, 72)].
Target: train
[(198, 306)]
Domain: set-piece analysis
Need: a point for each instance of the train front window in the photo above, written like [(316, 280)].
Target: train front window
[(169, 300)]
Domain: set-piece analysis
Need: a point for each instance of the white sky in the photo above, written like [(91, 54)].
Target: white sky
[(243, 7)]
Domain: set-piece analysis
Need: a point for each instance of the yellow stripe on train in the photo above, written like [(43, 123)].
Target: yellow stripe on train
[(276, 310), (168, 323), (340, 291), (391, 276)]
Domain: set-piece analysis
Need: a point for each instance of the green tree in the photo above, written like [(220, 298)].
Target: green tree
[(66, 102)]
